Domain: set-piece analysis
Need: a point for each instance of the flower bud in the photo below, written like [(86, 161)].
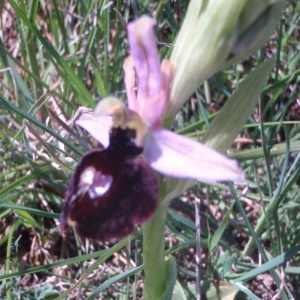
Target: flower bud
[(216, 33)]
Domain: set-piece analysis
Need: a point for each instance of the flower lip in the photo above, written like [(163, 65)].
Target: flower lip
[(110, 191)]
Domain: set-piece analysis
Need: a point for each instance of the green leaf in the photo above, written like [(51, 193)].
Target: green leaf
[(24, 95), (224, 292), (29, 221), (270, 265), (233, 116), (256, 153), (82, 93), (178, 293), (9, 105), (33, 211), (245, 290), (219, 232), (16, 184), (171, 273), (113, 280)]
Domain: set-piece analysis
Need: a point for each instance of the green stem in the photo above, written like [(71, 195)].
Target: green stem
[(154, 254)]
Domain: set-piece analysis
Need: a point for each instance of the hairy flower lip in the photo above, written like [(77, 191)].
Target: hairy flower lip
[(101, 197)]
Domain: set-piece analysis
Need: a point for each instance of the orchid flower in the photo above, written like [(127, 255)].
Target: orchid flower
[(165, 151), (108, 184), (213, 34)]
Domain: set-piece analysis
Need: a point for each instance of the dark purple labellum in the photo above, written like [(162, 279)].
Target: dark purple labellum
[(110, 191)]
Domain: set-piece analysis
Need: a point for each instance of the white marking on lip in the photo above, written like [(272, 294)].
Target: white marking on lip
[(87, 176), (100, 190), (94, 182)]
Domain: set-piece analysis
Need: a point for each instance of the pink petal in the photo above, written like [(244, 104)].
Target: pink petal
[(98, 126), (145, 55), (153, 83), (129, 79), (178, 156)]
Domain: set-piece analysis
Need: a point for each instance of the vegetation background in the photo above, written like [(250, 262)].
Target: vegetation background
[(56, 56)]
